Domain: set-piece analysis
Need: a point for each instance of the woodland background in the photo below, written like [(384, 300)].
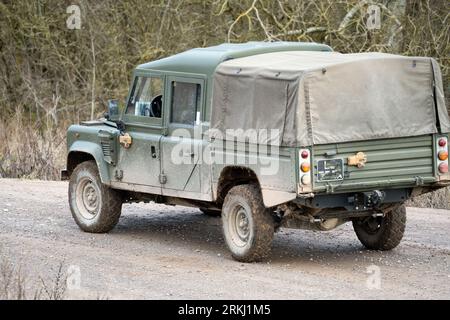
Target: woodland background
[(52, 76)]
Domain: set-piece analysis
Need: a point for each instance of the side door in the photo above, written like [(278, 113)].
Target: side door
[(181, 148), (143, 118)]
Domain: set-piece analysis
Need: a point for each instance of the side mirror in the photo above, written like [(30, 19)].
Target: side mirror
[(113, 109)]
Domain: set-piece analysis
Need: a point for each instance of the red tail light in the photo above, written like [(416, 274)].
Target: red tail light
[(443, 167), (305, 169), (442, 156)]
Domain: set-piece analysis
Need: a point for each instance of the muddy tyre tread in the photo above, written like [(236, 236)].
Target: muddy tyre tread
[(111, 206), (263, 222), (390, 236)]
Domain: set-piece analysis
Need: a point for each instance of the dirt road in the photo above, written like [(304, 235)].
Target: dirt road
[(159, 252)]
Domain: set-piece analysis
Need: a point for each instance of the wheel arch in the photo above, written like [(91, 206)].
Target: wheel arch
[(232, 176), (83, 151)]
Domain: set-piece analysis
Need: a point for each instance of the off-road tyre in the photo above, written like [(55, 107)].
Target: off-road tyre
[(248, 226), (95, 207), (387, 235)]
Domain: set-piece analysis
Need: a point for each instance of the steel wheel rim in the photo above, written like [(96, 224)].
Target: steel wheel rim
[(88, 198), (372, 225), (239, 225)]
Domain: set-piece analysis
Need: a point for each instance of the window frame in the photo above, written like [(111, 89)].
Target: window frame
[(192, 80), (143, 120)]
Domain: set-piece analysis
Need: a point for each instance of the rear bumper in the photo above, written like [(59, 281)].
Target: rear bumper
[(386, 184), (356, 200)]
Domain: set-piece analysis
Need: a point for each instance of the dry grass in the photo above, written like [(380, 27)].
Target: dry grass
[(15, 284), (31, 152)]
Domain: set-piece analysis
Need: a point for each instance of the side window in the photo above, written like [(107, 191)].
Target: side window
[(185, 102), (146, 97)]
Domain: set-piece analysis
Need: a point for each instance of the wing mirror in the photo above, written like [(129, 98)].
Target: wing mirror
[(113, 109)]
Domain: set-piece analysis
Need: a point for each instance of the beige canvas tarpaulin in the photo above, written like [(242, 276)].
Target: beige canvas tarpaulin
[(327, 97)]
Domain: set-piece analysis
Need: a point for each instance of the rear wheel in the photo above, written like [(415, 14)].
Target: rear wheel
[(248, 225), (95, 207), (382, 233)]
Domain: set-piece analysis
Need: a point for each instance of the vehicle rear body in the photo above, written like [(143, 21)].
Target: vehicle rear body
[(399, 167), (358, 122), (391, 163)]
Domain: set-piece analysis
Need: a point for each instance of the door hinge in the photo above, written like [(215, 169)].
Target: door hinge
[(419, 181), (162, 179), (118, 174)]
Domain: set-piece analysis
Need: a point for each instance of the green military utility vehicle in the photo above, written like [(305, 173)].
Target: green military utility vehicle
[(268, 135)]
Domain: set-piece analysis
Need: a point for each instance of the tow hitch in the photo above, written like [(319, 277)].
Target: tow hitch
[(366, 200)]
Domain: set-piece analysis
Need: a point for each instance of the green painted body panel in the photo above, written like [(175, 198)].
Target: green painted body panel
[(284, 160), (402, 162), (181, 176), (137, 164), (86, 139), (205, 60)]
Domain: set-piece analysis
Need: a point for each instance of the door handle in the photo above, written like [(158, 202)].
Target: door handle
[(153, 151)]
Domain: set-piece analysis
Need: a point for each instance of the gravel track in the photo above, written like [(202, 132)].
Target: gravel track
[(166, 252)]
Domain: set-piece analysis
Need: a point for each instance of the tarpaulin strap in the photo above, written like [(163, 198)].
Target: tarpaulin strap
[(309, 125)]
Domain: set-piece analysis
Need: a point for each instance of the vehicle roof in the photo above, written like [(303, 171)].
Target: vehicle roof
[(206, 60)]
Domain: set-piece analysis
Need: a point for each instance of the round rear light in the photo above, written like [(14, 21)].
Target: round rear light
[(306, 179), (305, 167), (443, 155), (442, 142), (443, 168), (305, 154)]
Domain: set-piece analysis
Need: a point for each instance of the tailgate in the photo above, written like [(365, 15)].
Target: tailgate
[(390, 163)]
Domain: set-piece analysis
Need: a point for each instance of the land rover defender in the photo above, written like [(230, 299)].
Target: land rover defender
[(268, 135)]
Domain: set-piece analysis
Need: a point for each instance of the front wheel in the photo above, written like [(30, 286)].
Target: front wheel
[(382, 233), (248, 226), (95, 207)]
